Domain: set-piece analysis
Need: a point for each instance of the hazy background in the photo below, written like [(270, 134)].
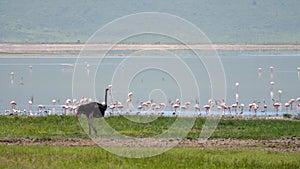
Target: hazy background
[(234, 21)]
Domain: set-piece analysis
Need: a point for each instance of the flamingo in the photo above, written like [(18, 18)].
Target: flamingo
[(287, 105), (255, 107), (30, 69), (271, 90), (185, 107), (291, 101), (112, 107), (197, 107), (276, 106), (207, 109), (176, 106), (12, 77), (129, 102), (279, 96), (234, 106), (223, 106), (30, 102), (162, 108), (140, 107), (298, 103), (271, 72), (259, 70), (53, 103), (40, 109), (265, 106), (119, 106), (153, 106), (13, 106), (237, 84), (242, 108)]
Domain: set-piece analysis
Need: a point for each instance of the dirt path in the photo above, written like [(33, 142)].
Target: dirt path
[(290, 144)]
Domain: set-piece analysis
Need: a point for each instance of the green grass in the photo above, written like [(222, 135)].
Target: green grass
[(95, 157), (70, 127), (40, 127), (17, 156)]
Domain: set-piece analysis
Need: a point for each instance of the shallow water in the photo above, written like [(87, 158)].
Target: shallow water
[(51, 77)]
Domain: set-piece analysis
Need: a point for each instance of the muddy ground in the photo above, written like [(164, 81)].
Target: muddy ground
[(287, 144)]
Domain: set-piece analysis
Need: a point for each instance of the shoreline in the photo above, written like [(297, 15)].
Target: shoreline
[(68, 48)]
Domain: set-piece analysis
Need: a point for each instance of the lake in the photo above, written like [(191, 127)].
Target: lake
[(44, 78)]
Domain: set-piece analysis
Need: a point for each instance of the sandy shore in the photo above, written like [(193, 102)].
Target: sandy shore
[(11, 48)]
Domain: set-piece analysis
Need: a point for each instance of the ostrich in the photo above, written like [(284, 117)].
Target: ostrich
[(93, 109)]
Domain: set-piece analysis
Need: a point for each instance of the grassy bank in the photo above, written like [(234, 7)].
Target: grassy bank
[(95, 157), (70, 127)]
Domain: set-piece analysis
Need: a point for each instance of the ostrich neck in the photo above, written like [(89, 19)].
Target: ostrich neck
[(105, 101)]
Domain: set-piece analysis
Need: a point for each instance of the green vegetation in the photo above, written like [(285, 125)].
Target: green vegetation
[(70, 127), (40, 127), (249, 21), (17, 156), (95, 157)]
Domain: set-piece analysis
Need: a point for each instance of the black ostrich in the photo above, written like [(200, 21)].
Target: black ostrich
[(93, 110)]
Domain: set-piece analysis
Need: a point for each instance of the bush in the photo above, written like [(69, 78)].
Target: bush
[(286, 115)]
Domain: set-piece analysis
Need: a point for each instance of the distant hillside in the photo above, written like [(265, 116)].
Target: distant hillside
[(234, 21)]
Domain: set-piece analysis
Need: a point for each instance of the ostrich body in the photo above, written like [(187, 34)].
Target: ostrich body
[(93, 110)]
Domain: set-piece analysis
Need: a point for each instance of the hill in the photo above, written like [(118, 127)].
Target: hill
[(248, 21)]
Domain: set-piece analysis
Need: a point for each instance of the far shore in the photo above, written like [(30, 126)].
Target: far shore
[(74, 48)]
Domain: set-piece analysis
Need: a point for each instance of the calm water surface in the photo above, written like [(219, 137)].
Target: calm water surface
[(51, 78)]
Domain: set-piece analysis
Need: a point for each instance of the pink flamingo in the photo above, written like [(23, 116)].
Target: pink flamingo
[(276, 106), (176, 106), (207, 109), (13, 106), (119, 106), (287, 105), (259, 70), (298, 104), (53, 103), (224, 107), (265, 106), (234, 106), (112, 107), (242, 108), (162, 108), (197, 107), (291, 101), (129, 102), (30, 102)]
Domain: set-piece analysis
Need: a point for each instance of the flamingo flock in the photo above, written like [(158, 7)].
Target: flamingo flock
[(173, 107)]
